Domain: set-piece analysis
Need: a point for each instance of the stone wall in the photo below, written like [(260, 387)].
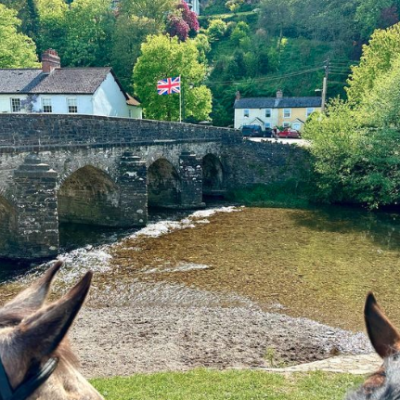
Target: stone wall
[(38, 132), (250, 163)]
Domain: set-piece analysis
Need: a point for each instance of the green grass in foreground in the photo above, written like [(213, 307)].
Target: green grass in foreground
[(214, 385)]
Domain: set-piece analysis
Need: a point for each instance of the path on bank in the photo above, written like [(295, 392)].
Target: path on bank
[(360, 364)]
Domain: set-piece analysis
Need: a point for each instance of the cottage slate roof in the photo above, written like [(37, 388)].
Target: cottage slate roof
[(59, 81), (273, 102)]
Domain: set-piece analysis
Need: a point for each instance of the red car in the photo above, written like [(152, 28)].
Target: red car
[(289, 133)]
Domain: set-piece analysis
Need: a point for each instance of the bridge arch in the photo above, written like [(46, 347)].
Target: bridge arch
[(8, 225), (89, 196), (213, 176), (164, 184)]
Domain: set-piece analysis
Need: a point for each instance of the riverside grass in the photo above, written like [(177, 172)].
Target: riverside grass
[(202, 384)]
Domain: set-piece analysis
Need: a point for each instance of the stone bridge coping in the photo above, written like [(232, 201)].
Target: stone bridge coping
[(35, 132)]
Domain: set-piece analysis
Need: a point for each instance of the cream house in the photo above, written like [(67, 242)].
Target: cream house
[(271, 112), (52, 89)]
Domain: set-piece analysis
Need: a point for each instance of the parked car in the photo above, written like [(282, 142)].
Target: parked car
[(289, 133), (251, 131), (268, 133)]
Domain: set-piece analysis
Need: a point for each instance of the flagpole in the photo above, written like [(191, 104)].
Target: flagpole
[(180, 100)]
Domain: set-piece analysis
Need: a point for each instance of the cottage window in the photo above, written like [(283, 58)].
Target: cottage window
[(246, 113), (268, 113), (286, 124), (268, 124), (15, 105), (309, 111), (72, 106), (47, 107), (287, 112)]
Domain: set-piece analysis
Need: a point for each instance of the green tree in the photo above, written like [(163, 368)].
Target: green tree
[(89, 24), (16, 49), (130, 32), (164, 57), (216, 29), (154, 10), (377, 59)]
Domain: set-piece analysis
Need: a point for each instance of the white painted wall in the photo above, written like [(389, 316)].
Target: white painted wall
[(109, 100), (58, 103), (241, 120)]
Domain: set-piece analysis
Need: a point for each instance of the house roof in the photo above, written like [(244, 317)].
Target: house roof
[(59, 81), (273, 102), (132, 101)]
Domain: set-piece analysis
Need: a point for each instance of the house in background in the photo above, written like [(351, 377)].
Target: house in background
[(52, 89), (271, 112)]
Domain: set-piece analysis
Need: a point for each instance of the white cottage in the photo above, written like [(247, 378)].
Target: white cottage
[(52, 89)]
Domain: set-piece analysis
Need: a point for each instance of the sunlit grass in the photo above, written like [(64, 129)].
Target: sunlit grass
[(202, 384)]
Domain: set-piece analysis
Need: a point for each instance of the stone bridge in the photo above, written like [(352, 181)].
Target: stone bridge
[(108, 171)]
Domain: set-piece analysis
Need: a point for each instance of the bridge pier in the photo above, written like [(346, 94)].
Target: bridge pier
[(35, 198), (132, 181), (191, 175)]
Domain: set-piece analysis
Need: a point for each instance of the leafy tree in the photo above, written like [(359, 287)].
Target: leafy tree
[(377, 59), (129, 33), (16, 49), (233, 5), (373, 14), (216, 29), (154, 10), (164, 57), (52, 29), (182, 22), (89, 24), (177, 26)]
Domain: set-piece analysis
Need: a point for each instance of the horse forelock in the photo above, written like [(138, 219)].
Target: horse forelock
[(386, 388)]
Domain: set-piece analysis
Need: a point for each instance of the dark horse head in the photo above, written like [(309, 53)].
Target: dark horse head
[(384, 384)]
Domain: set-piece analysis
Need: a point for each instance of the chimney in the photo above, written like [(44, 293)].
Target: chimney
[(279, 94), (50, 61), (238, 95)]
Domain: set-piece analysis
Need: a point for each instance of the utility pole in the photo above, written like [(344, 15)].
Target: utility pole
[(325, 85)]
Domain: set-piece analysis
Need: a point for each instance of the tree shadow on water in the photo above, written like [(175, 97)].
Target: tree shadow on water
[(380, 227)]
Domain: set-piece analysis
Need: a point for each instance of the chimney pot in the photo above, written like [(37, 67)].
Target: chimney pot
[(279, 94), (238, 95), (50, 61)]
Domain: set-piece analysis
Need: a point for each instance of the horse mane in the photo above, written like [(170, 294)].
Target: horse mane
[(389, 390)]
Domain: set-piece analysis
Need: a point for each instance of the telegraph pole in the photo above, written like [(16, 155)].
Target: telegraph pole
[(325, 85)]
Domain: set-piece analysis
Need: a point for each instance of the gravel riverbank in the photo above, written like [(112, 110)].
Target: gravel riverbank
[(166, 332)]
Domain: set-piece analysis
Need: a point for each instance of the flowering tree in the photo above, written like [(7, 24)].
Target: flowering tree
[(183, 22)]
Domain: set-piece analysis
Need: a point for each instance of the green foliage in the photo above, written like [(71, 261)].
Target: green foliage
[(16, 49), (202, 384), (354, 164), (377, 59), (163, 57), (216, 29), (129, 33), (152, 10), (380, 105)]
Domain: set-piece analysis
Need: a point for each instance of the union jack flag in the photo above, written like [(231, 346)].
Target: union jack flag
[(169, 86)]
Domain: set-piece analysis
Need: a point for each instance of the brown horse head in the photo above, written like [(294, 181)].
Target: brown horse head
[(32, 337), (384, 384)]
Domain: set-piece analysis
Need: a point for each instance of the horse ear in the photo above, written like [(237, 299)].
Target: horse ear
[(41, 333), (34, 296), (383, 335)]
